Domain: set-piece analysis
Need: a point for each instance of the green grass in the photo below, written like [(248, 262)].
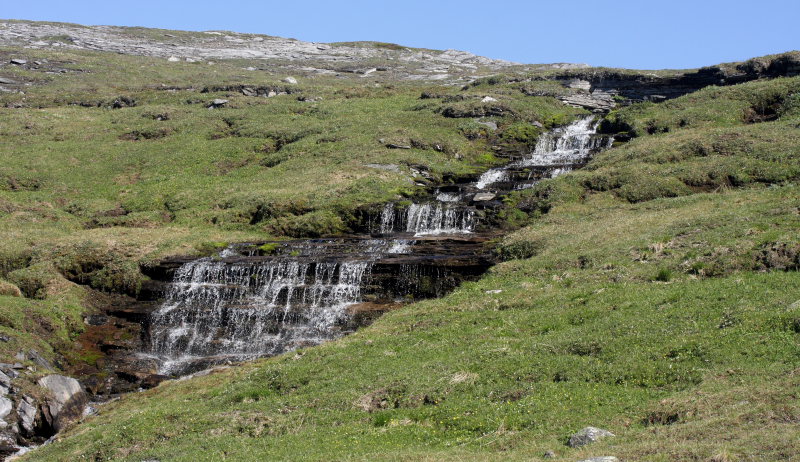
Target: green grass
[(580, 335), (651, 293)]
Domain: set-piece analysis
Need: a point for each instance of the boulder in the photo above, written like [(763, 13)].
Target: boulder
[(248, 91), (173, 59), (588, 435), (27, 416), (488, 99), (67, 400), (289, 80), (6, 406), (19, 62), (5, 380), (6, 81), (482, 197), (217, 103)]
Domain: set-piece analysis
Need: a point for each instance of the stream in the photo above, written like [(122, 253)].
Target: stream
[(245, 303)]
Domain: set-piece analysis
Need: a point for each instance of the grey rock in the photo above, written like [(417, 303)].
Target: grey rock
[(482, 197), (217, 103), (19, 62), (6, 81), (549, 455), (8, 444), (397, 146), (588, 435), (67, 400), (289, 80), (5, 380), (579, 84), (602, 459), (6, 406), (488, 99), (247, 91), (597, 101), (96, 319), (27, 415), (39, 360)]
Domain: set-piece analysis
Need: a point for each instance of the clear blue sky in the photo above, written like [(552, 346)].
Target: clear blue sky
[(624, 33)]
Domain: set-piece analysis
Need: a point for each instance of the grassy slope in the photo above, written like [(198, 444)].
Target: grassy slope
[(93, 192), (651, 304)]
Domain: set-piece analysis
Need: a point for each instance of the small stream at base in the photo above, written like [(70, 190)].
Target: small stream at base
[(246, 303)]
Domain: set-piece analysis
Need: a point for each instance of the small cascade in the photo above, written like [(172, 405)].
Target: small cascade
[(437, 218), (557, 152), (215, 309), (493, 175)]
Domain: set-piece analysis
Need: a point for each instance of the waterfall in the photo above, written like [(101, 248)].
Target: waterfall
[(242, 305), (439, 218), (491, 176), (558, 150), (242, 311)]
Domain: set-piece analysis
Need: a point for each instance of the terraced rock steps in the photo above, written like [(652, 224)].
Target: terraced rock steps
[(260, 299)]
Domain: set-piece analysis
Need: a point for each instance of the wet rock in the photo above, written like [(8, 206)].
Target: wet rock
[(6, 406), (289, 80), (96, 319), (67, 401), (588, 435), (602, 459), (8, 444), (19, 62)]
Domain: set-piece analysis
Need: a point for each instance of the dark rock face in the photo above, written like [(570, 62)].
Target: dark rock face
[(643, 87)]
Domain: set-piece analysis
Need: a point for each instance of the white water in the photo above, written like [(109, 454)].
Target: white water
[(562, 147), (439, 218), (249, 310), (491, 176)]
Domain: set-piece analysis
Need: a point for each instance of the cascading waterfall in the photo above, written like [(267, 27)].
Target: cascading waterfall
[(558, 150), (439, 218), (242, 311), (242, 305)]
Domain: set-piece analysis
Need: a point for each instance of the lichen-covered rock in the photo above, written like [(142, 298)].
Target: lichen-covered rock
[(588, 435)]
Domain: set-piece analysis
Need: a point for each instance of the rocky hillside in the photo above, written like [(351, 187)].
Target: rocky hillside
[(275, 53)]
